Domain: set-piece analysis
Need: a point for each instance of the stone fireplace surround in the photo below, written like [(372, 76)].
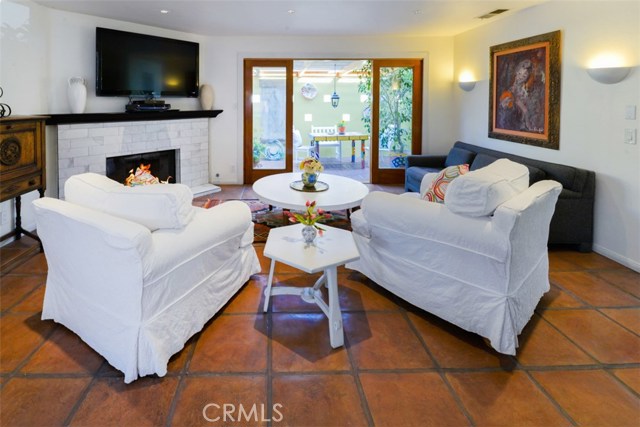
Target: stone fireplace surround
[(84, 147)]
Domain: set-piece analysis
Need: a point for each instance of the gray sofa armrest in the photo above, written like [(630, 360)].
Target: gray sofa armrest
[(426, 161)]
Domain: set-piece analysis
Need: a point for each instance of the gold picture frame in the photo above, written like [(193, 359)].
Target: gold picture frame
[(524, 95)]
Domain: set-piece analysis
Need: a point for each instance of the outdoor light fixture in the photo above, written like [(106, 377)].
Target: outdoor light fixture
[(335, 99)]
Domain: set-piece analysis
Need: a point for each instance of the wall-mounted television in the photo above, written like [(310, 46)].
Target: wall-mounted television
[(130, 64)]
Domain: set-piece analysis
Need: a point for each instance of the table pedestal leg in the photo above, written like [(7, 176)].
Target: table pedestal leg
[(336, 334), (267, 291)]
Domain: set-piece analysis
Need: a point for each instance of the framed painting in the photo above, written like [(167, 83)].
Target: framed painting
[(524, 96)]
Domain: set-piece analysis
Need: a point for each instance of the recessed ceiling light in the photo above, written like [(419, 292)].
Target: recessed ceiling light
[(164, 11), (417, 12), (291, 11)]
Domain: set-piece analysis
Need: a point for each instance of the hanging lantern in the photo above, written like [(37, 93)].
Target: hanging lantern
[(335, 99)]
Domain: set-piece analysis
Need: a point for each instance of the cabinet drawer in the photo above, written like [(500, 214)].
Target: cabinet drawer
[(15, 188), (20, 150)]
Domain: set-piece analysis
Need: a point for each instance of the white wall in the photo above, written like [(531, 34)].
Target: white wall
[(592, 114)]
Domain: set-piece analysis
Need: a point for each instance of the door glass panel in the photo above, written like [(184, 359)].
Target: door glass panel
[(395, 116), (269, 117)]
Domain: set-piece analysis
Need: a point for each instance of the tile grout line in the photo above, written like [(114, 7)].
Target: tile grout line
[(599, 310), (269, 373), (82, 397), (439, 370), (557, 405), (355, 372), (181, 384)]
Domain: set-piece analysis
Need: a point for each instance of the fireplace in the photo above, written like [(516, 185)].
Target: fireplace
[(162, 164)]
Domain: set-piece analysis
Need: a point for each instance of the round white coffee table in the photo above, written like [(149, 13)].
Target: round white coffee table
[(343, 192)]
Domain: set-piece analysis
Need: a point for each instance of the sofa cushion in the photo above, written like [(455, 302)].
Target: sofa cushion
[(459, 156), (154, 206), (482, 160), (480, 192), (414, 175), (535, 174), (438, 187)]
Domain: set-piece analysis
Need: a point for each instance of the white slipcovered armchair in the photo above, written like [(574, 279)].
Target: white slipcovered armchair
[(136, 271), (478, 261)]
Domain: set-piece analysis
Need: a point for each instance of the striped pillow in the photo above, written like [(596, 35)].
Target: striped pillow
[(439, 185)]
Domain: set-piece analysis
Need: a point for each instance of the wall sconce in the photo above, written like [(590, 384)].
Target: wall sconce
[(466, 81), (608, 75), (308, 117), (467, 86)]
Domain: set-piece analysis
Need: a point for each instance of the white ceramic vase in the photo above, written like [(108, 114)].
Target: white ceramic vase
[(206, 97), (77, 95)]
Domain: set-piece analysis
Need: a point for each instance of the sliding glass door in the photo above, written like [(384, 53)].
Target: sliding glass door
[(380, 106)]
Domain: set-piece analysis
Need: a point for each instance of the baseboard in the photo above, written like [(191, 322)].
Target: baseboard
[(634, 265), (201, 190)]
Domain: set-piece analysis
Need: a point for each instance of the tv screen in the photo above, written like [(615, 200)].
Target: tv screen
[(130, 64)]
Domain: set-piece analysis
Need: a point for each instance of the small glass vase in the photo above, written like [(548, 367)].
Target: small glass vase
[(309, 179), (309, 233)]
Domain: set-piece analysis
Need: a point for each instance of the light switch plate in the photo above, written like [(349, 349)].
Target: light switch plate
[(630, 136), (630, 112)]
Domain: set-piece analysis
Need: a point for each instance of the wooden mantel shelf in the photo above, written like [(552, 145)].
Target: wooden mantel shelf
[(63, 119)]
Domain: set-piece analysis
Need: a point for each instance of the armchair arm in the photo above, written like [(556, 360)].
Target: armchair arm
[(426, 161)]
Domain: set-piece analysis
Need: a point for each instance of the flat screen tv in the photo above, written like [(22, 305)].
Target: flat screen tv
[(130, 64)]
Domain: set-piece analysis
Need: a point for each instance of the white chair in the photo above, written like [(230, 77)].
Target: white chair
[(298, 148), (479, 260), (136, 271), (328, 131)]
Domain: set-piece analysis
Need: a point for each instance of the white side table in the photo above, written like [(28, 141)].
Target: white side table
[(335, 247)]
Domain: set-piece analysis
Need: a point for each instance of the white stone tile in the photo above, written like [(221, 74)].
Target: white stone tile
[(73, 152), (73, 133), (103, 131)]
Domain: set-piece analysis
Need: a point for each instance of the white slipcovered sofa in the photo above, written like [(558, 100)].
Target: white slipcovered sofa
[(136, 271), (479, 260)]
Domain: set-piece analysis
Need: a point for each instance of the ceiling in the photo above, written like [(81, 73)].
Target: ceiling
[(300, 17)]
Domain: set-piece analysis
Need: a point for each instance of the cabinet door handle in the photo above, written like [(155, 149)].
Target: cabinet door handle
[(32, 182)]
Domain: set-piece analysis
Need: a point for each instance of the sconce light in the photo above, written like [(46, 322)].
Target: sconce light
[(467, 86), (608, 75), (466, 81), (308, 117)]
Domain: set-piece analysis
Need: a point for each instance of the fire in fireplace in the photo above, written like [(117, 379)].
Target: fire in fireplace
[(144, 167)]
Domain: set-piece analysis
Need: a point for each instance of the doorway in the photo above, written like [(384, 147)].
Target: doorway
[(333, 109)]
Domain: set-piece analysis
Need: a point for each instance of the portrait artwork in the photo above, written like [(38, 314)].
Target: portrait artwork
[(525, 91)]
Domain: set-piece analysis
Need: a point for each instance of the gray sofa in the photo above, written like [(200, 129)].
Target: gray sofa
[(572, 222)]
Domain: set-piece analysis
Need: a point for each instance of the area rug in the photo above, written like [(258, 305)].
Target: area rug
[(266, 218)]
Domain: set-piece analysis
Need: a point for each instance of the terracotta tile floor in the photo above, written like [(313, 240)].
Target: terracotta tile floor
[(578, 363)]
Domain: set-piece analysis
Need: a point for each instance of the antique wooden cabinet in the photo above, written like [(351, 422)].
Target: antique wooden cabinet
[(22, 162)]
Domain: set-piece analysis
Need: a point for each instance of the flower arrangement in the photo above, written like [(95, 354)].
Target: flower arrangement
[(311, 165), (310, 217)]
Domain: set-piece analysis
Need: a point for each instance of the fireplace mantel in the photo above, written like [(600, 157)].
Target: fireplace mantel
[(59, 119)]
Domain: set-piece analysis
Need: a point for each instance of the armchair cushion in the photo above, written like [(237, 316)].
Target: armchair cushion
[(480, 192), (153, 206)]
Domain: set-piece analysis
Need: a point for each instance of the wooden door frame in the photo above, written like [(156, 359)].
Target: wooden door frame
[(250, 175), (395, 176)]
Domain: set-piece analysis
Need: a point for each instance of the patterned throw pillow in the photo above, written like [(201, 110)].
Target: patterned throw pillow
[(439, 185)]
